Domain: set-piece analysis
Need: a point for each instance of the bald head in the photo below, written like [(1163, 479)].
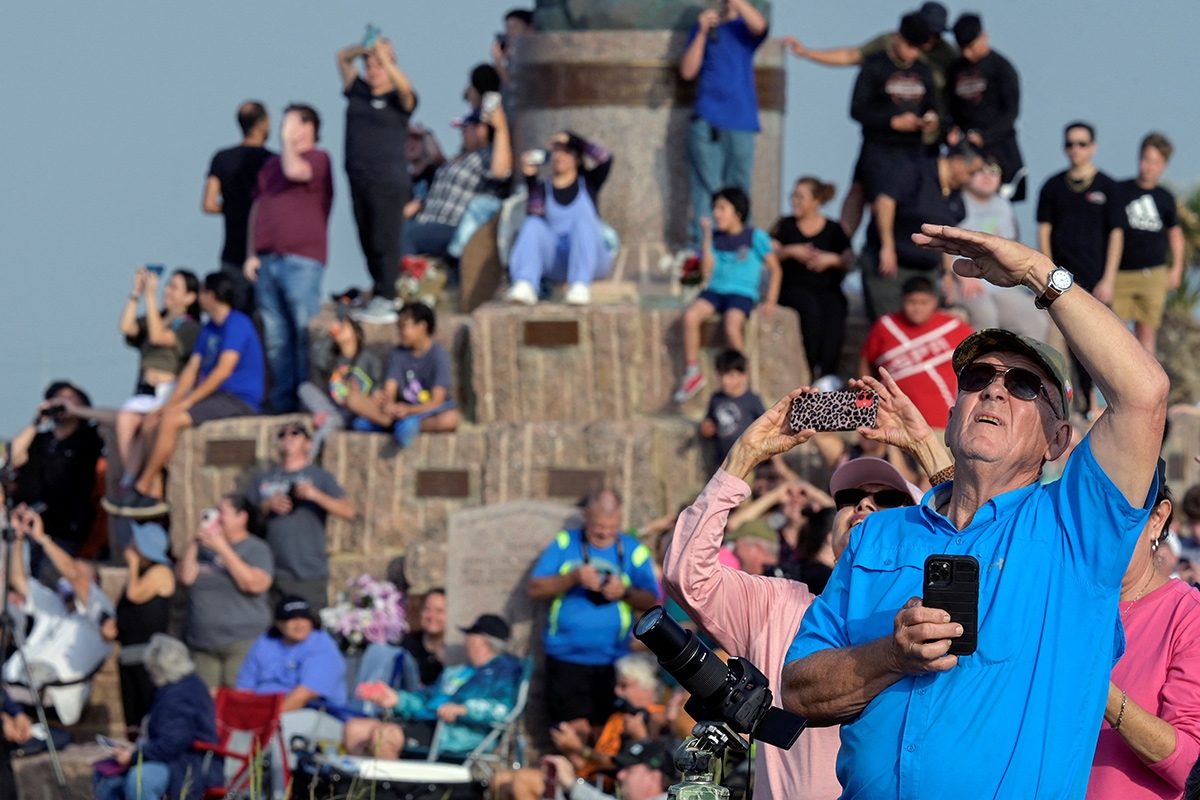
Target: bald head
[(602, 518)]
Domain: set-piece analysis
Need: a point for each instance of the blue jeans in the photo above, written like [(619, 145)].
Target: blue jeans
[(716, 158), (155, 778), (425, 238), (289, 295)]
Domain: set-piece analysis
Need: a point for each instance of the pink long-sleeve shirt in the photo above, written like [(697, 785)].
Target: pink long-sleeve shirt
[(754, 617), (1160, 671)]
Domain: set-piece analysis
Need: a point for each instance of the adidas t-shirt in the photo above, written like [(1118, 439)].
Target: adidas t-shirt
[(1145, 215)]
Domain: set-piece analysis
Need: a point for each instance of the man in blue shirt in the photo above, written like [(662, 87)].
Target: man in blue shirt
[(595, 579), (295, 658), (1019, 716), (223, 378), (720, 58)]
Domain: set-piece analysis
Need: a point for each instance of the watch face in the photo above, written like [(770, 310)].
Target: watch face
[(1061, 279)]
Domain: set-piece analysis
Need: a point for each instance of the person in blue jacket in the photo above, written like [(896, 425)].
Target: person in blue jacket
[(468, 698), (162, 761)]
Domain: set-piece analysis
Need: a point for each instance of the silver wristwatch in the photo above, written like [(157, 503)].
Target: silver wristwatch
[(1057, 284)]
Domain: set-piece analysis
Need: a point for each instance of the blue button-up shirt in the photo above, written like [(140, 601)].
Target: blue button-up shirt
[(1018, 718)]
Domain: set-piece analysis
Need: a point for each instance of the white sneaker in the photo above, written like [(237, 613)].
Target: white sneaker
[(380, 311), (522, 292), (580, 294)]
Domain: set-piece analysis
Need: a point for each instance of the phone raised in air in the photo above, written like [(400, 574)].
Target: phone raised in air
[(952, 584), (834, 411)]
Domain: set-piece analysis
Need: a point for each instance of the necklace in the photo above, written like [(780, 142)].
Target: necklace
[(1079, 184), (1145, 586)]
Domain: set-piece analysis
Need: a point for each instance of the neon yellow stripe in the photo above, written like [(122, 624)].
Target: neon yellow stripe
[(641, 555)]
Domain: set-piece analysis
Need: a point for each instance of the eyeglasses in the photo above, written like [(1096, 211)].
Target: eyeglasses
[(884, 498), (292, 431), (992, 169), (1071, 144), (1020, 383)]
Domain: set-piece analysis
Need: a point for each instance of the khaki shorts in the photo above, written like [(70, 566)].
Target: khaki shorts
[(1140, 295)]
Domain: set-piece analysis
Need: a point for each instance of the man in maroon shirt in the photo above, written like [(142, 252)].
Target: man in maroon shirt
[(288, 248)]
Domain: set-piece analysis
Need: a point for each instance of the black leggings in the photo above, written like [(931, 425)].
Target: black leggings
[(823, 326), (379, 214)]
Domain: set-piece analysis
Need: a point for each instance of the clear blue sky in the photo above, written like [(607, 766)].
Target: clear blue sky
[(112, 110)]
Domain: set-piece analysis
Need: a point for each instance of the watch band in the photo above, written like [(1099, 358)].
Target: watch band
[(1052, 292)]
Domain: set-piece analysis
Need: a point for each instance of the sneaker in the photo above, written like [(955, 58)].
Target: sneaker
[(380, 311), (135, 505), (692, 383), (405, 431), (522, 292), (580, 294)]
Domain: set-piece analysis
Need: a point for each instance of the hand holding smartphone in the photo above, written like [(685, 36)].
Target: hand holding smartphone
[(952, 585), (833, 411)]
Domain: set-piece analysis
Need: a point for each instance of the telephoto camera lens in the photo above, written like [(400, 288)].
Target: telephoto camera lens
[(681, 653)]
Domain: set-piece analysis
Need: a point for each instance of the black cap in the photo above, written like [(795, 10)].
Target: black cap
[(657, 754), (967, 29), (58, 386), (915, 29), (489, 625), (294, 606), (936, 15)]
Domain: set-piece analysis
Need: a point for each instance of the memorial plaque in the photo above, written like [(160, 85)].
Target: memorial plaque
[(443, 483), (552, 333), (573, 483), (230, 453)]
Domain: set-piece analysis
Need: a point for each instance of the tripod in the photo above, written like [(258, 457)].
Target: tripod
[(8, 627), (696, 759)]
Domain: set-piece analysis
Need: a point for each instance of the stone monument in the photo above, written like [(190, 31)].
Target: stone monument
[(608, 69)]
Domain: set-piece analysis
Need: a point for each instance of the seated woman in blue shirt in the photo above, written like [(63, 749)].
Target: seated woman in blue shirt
[(468, 698)]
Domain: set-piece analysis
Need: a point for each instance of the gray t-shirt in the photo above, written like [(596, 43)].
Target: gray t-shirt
[(297, 539), (219, 613), (418, 375)]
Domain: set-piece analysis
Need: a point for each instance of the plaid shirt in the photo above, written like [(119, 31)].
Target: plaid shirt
[(456, 183)]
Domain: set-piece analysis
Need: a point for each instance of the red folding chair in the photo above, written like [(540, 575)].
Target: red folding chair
[(248, 727)]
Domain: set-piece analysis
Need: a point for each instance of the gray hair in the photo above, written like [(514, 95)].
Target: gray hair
[(499, 646), (640, 668), (167, 660)]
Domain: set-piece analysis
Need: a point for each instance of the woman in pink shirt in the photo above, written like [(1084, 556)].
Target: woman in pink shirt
[(1150, 737), (757, 617)]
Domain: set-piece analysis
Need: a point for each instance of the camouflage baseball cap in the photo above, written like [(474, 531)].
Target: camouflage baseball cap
[(996, 340)]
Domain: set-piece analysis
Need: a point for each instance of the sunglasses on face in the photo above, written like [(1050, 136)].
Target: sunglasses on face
[(1073, 144), (1021, 383), (286, 432), (884, 498)]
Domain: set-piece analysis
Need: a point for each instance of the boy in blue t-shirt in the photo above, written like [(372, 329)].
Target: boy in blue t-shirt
[(733, 260)]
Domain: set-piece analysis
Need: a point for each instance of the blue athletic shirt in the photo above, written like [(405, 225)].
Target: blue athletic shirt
[(236, 334), (1021, 716), (726, 95), (738, 262), (273, 667), (578, 630)]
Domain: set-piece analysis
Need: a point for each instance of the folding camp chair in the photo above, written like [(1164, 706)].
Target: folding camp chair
[(248, 728), (497, 748)]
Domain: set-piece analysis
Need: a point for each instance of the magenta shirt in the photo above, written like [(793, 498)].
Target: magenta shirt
[(292, 218), (1160, 671), (754, 617)]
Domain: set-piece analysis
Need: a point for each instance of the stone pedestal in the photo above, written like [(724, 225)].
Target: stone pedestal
[(622, 89)]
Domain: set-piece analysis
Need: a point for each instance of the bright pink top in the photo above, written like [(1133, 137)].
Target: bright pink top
[(1160, 671), (754, 617)]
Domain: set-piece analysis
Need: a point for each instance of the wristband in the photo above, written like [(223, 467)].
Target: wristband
[(1124, 699)]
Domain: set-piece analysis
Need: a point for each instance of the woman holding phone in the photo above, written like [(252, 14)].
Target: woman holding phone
[(165, 337)]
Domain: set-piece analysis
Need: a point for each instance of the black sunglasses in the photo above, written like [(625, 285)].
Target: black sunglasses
[(292, 431), (1070, 144), (1021, 383), (884, 498)]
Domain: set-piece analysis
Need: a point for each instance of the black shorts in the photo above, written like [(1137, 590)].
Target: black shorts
[(875, 164), (220, 405), (418, 732), (579, 691), (722, 302)]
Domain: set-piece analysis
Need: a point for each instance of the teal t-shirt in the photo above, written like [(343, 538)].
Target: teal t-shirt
[(738, 262)]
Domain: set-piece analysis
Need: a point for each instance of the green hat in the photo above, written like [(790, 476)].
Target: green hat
[(756, 529), (993, 340)]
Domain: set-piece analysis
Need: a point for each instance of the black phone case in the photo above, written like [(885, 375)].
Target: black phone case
[(834, 411), (959, 597)]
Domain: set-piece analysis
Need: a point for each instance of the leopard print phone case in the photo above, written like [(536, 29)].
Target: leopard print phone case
[(834, 411)]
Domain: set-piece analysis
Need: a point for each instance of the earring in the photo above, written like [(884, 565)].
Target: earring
[(1154, 547)]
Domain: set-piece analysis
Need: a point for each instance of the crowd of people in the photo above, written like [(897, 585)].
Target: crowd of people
[(1081, 679)]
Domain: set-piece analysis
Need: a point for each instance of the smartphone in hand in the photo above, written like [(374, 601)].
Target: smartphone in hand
[(952, 584), (833, 411)]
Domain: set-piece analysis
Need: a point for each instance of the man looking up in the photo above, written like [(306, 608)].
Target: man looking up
[(595, 579), (720, 58), (227, 191), (288, 249), (1051, 560)]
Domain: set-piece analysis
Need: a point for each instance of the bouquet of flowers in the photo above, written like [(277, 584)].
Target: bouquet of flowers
[(369, 611)]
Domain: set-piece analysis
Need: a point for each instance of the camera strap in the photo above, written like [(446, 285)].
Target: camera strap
[(587, 555)]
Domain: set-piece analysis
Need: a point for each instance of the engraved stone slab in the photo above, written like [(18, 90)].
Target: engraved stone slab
[(443, 483), (551, 333), (229, 452)]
